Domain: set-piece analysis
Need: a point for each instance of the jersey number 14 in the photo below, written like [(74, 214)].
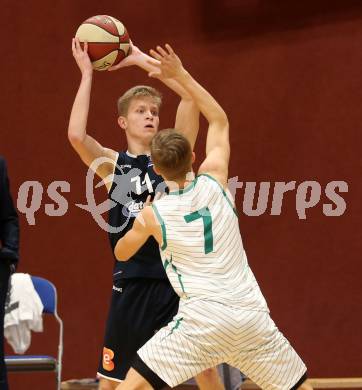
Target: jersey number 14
[(139, 184)]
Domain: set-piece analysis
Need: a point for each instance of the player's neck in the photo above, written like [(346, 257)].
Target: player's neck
[(138, 149), (178, 185)]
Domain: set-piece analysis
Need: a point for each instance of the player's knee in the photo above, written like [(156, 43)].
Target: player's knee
[(208, 373), (135, 381), (106, 384), (139, 385), (209, 376)]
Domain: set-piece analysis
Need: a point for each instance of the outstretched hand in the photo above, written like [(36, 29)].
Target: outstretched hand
[(169, 64), (131, 59), (134, 58), (81, 56)]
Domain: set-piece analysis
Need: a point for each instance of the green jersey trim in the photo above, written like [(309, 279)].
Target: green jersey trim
[(168, 262), (222, 190), (188, 188), (178, 322), (163, 227)]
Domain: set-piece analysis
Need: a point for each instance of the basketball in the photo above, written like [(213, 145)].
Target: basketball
[(108, 40)]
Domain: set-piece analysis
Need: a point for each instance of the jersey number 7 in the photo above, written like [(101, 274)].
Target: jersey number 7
[(205, 214)]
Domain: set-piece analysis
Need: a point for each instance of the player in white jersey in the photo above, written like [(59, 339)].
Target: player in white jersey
[(223, 316)]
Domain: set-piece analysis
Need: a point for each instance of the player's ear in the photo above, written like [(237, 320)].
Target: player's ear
[(122, 122), (193, 157), (157, 172)]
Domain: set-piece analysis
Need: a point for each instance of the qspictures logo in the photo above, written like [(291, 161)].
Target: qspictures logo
[(258, 198)]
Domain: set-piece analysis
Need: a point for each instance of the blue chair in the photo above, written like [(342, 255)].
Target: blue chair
[(20, 363)]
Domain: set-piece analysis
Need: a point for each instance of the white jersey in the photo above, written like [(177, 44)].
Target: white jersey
[(202, 250), (222, 316)]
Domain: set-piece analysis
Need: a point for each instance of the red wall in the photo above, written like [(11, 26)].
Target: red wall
[(288, 75)]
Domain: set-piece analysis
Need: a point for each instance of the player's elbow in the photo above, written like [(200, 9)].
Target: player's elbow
[(220, 121), (223, 120), (120, 253), (120, 257), (74, 138)]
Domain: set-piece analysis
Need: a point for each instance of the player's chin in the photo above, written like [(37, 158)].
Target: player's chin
[(149, 131)]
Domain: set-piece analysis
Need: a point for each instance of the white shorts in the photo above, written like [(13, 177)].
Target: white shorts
[(204, 334)]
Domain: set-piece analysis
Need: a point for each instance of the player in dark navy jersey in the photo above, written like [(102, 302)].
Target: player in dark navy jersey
[(142, 299), (135, 173)]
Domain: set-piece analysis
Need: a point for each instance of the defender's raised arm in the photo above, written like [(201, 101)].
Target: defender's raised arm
[(187, 116), (217, 144)]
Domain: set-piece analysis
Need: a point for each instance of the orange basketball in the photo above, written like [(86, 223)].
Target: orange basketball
[(108, 40)]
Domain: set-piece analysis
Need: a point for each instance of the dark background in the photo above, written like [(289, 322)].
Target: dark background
[(289, 76)]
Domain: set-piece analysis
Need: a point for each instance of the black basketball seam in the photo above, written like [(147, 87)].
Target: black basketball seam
[(115, 25), (99, 59)]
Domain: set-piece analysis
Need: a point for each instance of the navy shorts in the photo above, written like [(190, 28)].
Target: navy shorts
[(139, 307)]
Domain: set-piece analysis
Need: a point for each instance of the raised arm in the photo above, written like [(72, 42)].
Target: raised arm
[(217, 144), (188, 120), (188, 113), (85, 145)]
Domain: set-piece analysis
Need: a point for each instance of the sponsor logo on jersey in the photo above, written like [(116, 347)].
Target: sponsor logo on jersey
[(107, 361), (132, 208), (135, 207)]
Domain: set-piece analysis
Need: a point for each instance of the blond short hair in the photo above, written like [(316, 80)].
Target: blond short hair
[(137, 92)]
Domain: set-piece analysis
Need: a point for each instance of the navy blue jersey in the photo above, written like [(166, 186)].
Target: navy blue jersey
[(134, 179)]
